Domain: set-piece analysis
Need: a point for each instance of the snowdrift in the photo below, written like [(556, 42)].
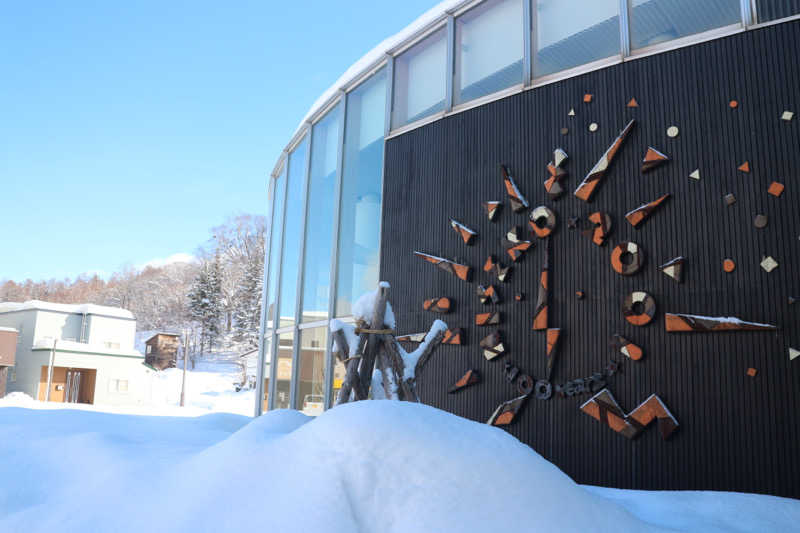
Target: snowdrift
[(367, 466)]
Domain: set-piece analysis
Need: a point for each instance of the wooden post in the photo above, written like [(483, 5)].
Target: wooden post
[(373, 343)]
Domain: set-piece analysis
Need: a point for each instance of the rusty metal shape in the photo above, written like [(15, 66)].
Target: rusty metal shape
[(488, 319), (511, 371), (488, 294), (544, 389), (674, 268), (601, 227), (590, 384), (639, 308), (507, 411), (467, 234), (745, 167), (460, 271), (553, 185), (553, 336), (471, 377), (492, 266), (492, 345), (635, 254), (728, 265), (542, 221), (729, 199), (626, 347), (678, 322), (520, 296), (776, 189), (643, 212), (515, 246), (437, 305), (652, 159), (604, 408), (633, 103), (492, 209), (595, 176), (752, 372), (515, 197), (525, 384), (411, 337), (760, 221), (580, 295), (540, 313), (453, 336)]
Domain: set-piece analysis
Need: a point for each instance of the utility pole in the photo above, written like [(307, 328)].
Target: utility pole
[(185, 360), (50, 371)]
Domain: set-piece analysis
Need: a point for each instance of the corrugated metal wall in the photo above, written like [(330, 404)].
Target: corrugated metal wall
[(736, 432)]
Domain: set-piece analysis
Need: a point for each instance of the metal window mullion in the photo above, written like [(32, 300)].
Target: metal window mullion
[(747, 8), (624, 28), (258, 408), (337, 208), (450, 68), (273, 363), (527, 40), (387, 126), (298, 306)]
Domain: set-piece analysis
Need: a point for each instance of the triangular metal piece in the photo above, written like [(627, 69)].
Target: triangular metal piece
[(695, 175)]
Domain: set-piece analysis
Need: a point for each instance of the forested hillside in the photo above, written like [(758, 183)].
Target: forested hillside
[(215, 300)]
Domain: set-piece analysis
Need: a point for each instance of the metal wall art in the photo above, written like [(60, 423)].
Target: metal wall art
[(675, 322), (787, 116), (639, 308), (491, 266), (488, 319), (453, 336), (553, 336), (728, 265), (604, 408), (760, 221), (540, 313), (466, 233), (632, 103), (507, 411), (601, 227), (411, 337), (462, 272), (793, 354), (641, 213), (515, 246), (542, 221), (488, 295), (752, 372), (745, 167), (437, 305), (627, 258), (517, 201), (553, 183), (674, 268), (471, 377), (769, 264), (492, 345), (729, 199), (492, 209), (695, 175), (590, 384), (586, 189), (653, 159), (775, 189), (626, 347), (587, 98)]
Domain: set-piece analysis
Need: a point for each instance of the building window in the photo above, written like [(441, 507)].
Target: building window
[(320, 216), (419, 80), (310, 394), (283, 371), (768, 10), (148, 349), (658, 21), (569, 33), (118, 385), (292, 231), (275, 244), (360, 215), (489, 49)]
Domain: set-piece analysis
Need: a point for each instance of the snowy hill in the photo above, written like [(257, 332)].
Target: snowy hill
[(367, 466)]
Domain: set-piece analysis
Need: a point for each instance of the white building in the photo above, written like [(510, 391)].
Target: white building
[(85, 352)]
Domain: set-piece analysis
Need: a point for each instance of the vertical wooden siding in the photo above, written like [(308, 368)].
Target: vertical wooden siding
[(737, 433)]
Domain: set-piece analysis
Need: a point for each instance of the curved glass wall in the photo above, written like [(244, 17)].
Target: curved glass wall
[(275, 246), (362, 170), (419, 80), (292, 234), (320, 216), (310, 390), (489, 49), (658, 21), (569, 33), (283, 371), (768, 10)]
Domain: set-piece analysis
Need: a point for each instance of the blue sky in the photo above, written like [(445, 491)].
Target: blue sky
[(128, 129)]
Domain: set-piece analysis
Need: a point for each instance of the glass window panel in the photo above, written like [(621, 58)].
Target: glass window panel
[(419, 80), (265, 375), (283, 371), (292, 233), (319, 228), (570, 33), (657, 21), (310, 395), (275, 245), (767, 10), (339, 371), (359, 230), (489, 49)]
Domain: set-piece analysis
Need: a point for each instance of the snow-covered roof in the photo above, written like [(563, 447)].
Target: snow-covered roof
[(371, 59), (73, 346), (89, 309)]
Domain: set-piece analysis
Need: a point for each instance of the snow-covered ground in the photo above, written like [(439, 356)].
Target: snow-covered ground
[(367, 466)]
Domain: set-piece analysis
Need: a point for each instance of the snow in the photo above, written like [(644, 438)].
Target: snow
[(89, 309), (724, 319), (363, 307), (364, 466), (349, 333), (410, 359)]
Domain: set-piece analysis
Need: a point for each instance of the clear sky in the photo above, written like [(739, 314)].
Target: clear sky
[(128, 129)]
